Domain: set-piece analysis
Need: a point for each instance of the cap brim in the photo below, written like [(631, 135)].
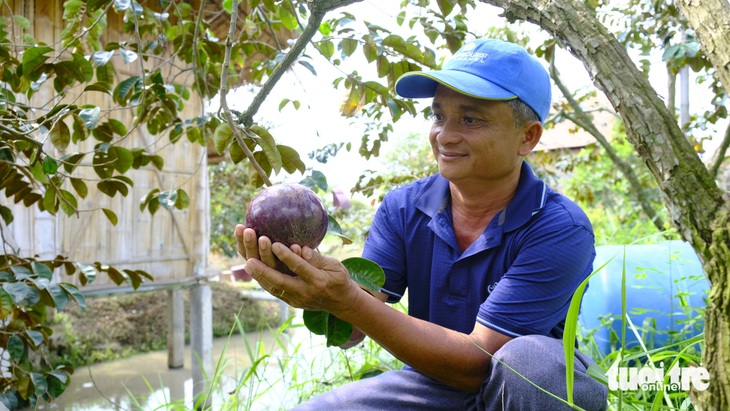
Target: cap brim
[(418, 84)]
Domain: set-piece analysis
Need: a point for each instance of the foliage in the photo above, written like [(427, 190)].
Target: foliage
[(680, 348), (51, 133), (409, 159), (595, 184), (230, 193), (47, 142), (652, 25)]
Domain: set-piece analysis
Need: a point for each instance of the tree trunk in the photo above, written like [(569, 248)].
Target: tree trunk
[(695, 203)]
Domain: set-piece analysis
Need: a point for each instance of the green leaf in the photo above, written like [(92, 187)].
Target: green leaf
[(315, 181), (348, 46), (68, 202), (50, 166), (309, 66), (290, 159), (103, 164), (84, 67), (119, 128), (315, 321), (59, 296), (365, 272), (268, 144), (49, 200), (20, 272), (99, 86), (110, 215), (183, 200), (6, 304), (327, 48), (21, 21), (333, 227), (56, 387), (124, 90), (354, 101), (383, 66), (22, 293), (122, 157), (16, 347), (39, 383), (80, 186), (6, 214), (157, 161), (446, 6), (90, 116), (288, 19), (227, 5), (144, 202), (70, 161), (42, 270), (37, 170), (94, 5), (60, 135), (222, 137), (236, 152), (35, 337), (334, 329), (74, 292), (89, 272), (33, 58), (116, 276)]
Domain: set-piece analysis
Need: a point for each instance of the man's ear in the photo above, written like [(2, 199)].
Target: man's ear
[(531, 133)]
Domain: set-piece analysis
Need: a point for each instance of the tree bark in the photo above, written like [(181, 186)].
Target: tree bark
[(696, 205)]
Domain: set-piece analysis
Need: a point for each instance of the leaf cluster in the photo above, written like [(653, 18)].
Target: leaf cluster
[(27, 292)]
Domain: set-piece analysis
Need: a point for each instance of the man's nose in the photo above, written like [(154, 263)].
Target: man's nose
[(446, 133)]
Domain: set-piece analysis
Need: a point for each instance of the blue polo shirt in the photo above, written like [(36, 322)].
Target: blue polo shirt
[(517, 278)]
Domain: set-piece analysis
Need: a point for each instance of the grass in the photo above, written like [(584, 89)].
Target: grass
[(299, 366)]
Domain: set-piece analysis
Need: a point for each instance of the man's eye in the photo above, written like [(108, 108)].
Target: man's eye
[(437, 117), (470, 120)]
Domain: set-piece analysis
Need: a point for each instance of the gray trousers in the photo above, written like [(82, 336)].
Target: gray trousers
[(540, 359)]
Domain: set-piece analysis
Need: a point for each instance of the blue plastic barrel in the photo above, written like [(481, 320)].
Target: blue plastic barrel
[(665, 286)]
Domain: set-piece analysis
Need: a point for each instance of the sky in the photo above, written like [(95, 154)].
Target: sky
[(318, 122)]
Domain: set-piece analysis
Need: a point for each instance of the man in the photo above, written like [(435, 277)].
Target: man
[(489, 254)]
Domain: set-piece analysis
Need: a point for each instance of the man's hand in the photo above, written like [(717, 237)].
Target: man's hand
[(251, 247), (322, 283)]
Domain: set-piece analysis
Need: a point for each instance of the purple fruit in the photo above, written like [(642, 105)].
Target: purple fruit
[(288, 214)]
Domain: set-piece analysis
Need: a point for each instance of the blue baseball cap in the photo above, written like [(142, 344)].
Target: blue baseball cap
[(487, 69)]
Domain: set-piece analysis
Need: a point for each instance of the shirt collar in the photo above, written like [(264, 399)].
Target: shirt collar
[(528, 200)]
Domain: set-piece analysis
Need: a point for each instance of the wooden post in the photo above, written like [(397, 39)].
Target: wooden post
[(201, 343), (175, 329)]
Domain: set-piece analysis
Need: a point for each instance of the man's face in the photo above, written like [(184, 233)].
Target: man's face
[(476, 140)]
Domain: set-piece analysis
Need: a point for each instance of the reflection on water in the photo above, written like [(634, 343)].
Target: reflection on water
[(145, 382)]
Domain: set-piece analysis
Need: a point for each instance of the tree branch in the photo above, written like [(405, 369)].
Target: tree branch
[(582, 119), (719, 156), (224, 103), (318, 9), (691, 194)]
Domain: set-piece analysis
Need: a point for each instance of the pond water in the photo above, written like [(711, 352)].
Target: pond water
[(145, 382)]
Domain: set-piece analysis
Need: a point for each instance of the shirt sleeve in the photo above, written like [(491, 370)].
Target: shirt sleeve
[(385, 246), (534, 294)]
